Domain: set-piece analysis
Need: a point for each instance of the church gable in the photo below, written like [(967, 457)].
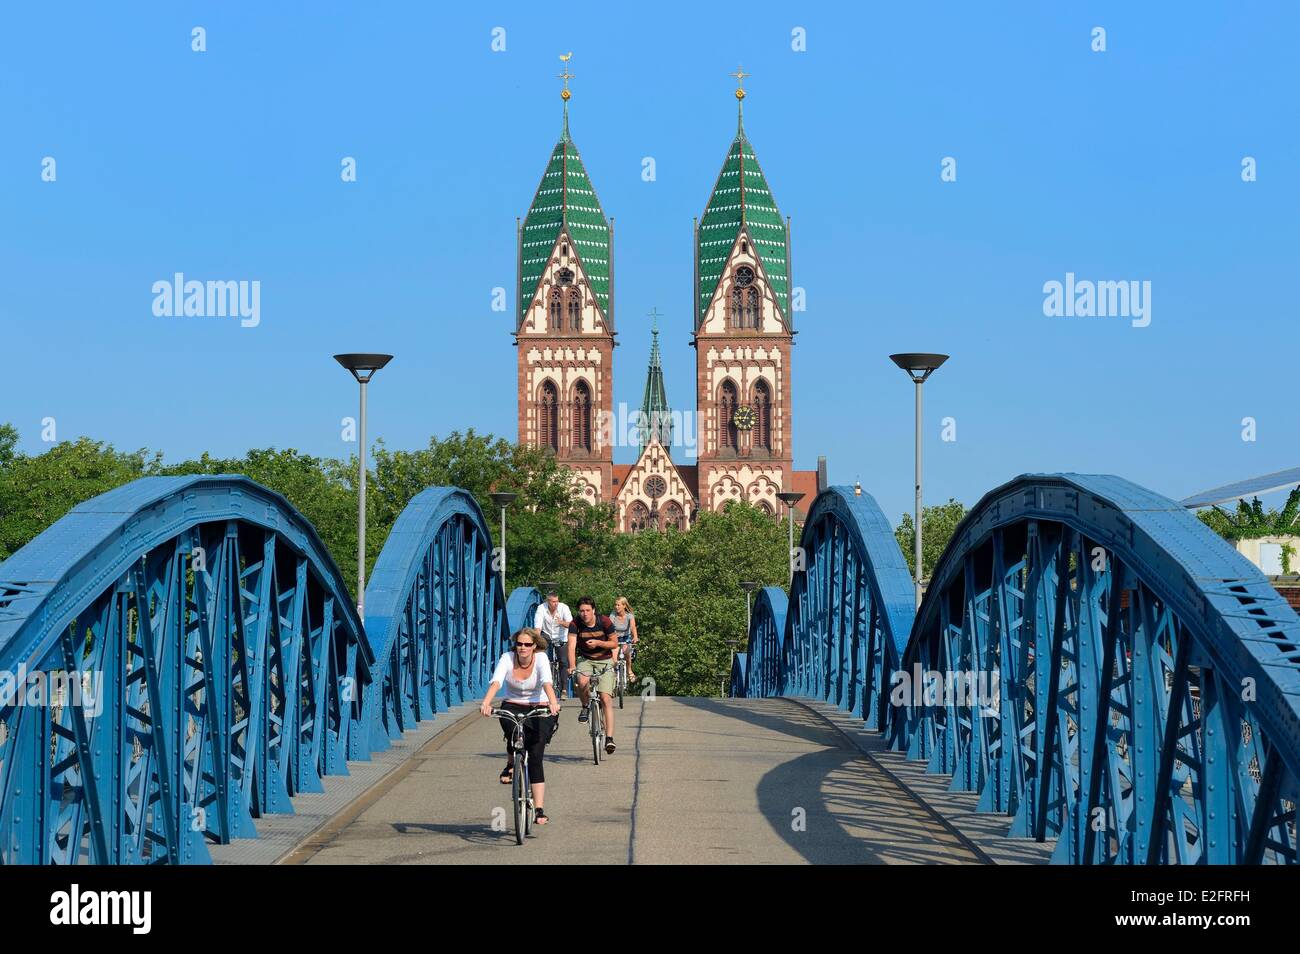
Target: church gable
[(744, 279), (564, 300), (654, 493)]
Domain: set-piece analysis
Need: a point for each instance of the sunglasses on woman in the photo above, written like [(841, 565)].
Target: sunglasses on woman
[(524, 645)]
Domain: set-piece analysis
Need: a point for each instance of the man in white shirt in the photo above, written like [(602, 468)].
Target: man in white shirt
[(553, 619)]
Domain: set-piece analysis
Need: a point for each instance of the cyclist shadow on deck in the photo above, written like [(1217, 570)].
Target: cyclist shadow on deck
[(471, 834)]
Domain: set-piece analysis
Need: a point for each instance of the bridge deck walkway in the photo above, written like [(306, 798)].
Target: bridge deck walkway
[(693, 781)]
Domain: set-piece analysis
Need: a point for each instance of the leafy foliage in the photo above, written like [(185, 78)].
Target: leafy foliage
[(36, 491), (1252, 520), (938, 524)]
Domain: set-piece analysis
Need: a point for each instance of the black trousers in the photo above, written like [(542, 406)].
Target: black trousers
[(561, 668), (537, 732)]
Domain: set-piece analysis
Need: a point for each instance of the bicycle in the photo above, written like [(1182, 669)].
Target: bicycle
[(595, 712), (620, 671), (522, 792), (553, 650)]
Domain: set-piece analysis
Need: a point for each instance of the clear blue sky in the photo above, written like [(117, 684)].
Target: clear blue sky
[(1122, 165)]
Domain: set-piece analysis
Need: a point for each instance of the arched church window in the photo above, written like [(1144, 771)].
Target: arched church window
[(549, 411), (575, 309), (638, 517), (673, 516), (762, 415), (582, 416), (557, 311), (728, 437), (743, 312)]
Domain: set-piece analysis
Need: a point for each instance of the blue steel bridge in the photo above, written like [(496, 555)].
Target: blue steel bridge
[(1140, 701)]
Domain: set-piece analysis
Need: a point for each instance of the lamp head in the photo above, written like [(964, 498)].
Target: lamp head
[(363, 366), (502, 498), (918, 365)]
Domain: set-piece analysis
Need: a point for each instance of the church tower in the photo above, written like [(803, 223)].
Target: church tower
[(744, 333), (564, 328), (656, 416)]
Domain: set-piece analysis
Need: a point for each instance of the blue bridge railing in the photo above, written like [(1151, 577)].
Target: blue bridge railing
[(1090, 659), (184, 657)]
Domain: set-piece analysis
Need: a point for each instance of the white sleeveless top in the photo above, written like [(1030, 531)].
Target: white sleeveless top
[(531, 690)]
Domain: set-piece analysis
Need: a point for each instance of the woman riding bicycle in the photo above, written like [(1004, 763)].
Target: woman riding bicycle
[(625, 625), (526, 675)]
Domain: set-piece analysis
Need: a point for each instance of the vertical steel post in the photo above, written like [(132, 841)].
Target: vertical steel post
[(917, 549), (503, 550), (361, 511)]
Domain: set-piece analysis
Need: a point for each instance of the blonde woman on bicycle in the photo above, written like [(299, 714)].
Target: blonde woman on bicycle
[(625, 626), (525, 672)]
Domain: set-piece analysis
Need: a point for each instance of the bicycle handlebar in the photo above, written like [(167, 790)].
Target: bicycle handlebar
[(521, 716)]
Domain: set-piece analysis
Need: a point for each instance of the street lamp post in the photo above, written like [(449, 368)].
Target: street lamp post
[(918, 367), (503, 499), (363, 368), (790, 498), (732, 643), (749, 587)]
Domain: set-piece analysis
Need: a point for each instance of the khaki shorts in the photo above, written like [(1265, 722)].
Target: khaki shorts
[(605, 681)]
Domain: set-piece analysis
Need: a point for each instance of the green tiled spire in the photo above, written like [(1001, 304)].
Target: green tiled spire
[(655, 415), (742, 202), (565, 199)]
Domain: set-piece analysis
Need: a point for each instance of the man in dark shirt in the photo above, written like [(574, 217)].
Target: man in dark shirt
[(593, 641)]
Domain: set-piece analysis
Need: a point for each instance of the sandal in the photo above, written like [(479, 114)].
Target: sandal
[(539, 817), (507, 775)]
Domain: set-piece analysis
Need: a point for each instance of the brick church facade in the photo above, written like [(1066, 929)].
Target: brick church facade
[(743, 336)]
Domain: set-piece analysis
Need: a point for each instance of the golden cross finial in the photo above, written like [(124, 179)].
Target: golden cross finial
[(654, 316), (566, 75), (740, 75)]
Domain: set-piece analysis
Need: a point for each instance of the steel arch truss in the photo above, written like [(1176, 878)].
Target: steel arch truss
[(758, 671), (181, 656), (841, 636), (435, 613), (521, 608), (1094, 662)]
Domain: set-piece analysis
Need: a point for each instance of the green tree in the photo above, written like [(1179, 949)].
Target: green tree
[(35, 491), (8, 443), (547, 529), (939, 523), (684, 588), (1252, 520)]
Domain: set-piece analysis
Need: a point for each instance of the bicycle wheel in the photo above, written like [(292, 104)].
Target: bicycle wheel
[(528, 799), (518, 794), (621, 683), (596, 730)]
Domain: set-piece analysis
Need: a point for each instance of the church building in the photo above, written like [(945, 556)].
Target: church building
[(743, 336)]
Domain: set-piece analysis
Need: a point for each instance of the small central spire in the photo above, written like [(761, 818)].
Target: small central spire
[(656, 417)]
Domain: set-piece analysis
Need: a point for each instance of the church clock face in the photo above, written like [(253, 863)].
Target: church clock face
[(744, 276), (743, 418), (655, 487)]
